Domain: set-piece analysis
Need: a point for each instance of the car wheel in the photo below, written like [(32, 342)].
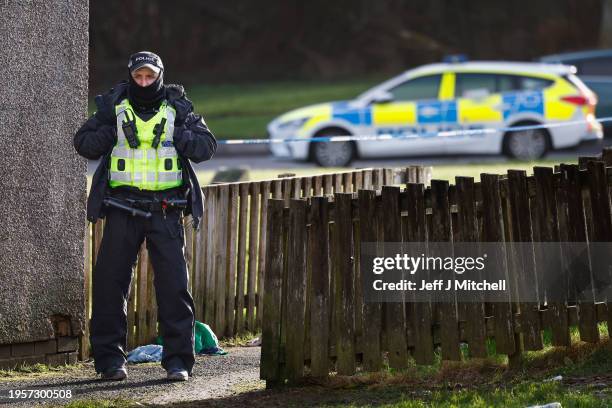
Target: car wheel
[(333, 154), (528, 144)]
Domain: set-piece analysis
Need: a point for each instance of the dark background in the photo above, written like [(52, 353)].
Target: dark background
[(247, 41)]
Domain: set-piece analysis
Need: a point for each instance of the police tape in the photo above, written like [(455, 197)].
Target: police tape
[(475, 132)]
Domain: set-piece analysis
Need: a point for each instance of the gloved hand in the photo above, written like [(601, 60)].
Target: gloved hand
[(184, 141), (108, 135), (181, 137), (178, 131)]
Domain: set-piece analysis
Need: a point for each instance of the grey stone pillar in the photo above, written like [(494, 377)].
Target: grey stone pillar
[(43, 100)]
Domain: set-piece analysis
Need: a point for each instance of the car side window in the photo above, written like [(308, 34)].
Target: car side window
[(513, 83), (507, 83), (533, 84), (425, 87), (468, 83)]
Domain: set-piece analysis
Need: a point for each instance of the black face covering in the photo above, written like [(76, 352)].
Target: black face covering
[(148, 97)]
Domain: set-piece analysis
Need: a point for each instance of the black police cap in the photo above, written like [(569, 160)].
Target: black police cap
[(145, 59)]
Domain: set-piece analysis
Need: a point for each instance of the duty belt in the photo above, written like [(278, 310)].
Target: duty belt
[(145, 208)]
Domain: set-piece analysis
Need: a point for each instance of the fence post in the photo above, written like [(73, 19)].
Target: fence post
[(271, 317), (394, 312), (525, 271), (319, 306), (261, 269), (493, 231), (441, 233), (317, 186), (367, 179), (141, 322), (253, 240), (296, 290), (358, 174), (377, 178), (606, 155), (242, 241), (602, 228), (230, 289), (131, 303), (347, 182), (338, 178), (421, 316), (579, 289), (372, 311), (468, 232), (345, 289), (286, 182), (212, 232), (221, 257), (547, 219)]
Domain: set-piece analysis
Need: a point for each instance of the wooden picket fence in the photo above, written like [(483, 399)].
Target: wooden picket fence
[(315, 319), (226, 256)]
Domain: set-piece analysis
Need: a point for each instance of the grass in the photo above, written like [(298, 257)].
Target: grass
[(477, 383), (103, 403), (519, 396), (36, 370), (239, 340), (488, 382), (27, 369), (584, 369), (237, 111), (473, 383)]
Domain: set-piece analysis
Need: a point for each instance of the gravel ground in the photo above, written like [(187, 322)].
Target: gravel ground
[(214, 377)]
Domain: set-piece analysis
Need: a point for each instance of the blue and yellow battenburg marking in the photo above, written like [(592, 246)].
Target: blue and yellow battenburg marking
[(521, 102), (357, 117), (400, 118)]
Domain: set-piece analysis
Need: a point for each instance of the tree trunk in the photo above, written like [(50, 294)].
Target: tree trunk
[(605, 36)]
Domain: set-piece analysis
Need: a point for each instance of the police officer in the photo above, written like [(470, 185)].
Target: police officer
[(145, 133)]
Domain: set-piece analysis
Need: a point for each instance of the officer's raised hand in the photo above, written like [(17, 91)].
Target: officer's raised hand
[(192, 139)]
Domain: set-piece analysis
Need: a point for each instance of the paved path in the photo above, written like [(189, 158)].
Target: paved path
[(214, 377)]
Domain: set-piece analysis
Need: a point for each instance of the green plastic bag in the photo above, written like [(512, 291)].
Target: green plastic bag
[(205, 340)]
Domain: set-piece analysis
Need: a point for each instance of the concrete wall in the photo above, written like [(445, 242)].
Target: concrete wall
[(43, 101)]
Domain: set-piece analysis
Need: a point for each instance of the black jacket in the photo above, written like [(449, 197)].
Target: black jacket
[(98, 135)]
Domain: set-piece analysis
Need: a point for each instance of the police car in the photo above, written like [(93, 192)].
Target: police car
[(520, 109)]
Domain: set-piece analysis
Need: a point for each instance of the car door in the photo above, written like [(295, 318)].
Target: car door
[(411, 118), (480, 108)]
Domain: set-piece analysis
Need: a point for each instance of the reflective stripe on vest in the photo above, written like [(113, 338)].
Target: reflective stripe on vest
[(145, 167)]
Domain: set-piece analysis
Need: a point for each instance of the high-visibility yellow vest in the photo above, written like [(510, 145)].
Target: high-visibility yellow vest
[(145, 167)]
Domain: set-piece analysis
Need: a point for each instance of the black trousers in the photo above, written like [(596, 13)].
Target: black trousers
[(123, 236)]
